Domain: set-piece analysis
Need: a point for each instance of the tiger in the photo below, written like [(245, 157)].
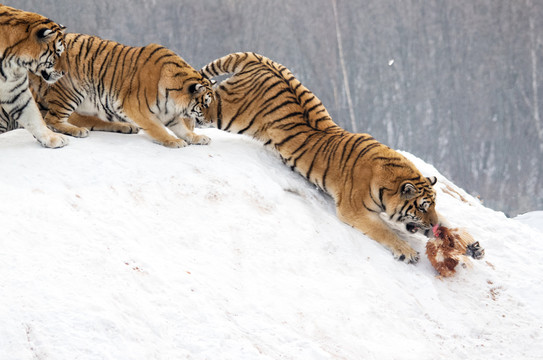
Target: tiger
[(110, 86), (375, 189), (29, 43)]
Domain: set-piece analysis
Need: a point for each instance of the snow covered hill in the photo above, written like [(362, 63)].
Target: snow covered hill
[(117, 248)]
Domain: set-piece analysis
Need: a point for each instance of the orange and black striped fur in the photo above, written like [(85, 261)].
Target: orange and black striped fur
[(371, 184), (31, 43), (109, 86)]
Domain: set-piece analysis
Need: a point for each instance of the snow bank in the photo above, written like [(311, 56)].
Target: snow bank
[(533, 219), (117, 248)]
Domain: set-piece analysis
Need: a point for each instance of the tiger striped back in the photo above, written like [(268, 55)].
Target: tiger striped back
[(366, 178), (107, 82), (262, 76)]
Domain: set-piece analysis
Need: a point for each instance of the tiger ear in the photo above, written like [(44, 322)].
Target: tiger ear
[(432, 180), (44, 34), (213, 82), (408, 190), (196, 88), (62, 28)]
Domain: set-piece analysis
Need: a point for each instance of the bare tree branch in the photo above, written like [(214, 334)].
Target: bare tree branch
[(344, 69)]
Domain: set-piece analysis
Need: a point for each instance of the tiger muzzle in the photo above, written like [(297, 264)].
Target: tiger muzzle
[(414, 228), (51, 77)]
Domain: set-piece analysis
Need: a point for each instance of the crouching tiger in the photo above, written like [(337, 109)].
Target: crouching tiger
[(367, 180), (109, 86)]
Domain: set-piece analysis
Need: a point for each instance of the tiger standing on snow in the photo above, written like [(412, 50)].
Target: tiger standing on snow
[(31, 43), (367, 179), (109, 86)]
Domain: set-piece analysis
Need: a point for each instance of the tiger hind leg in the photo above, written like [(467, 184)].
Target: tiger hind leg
[(94, 123)]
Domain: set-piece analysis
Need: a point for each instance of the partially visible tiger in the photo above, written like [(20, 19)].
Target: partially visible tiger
[(109, 83), (367, 179), (28, 42)]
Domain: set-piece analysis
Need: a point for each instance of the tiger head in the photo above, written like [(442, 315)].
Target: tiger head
[(45, 52), (413, 205), (201, 97), (31, 42)]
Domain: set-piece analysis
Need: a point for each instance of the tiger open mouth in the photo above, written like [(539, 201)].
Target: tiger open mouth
[(50, 78), (45, 75), (412, 227)]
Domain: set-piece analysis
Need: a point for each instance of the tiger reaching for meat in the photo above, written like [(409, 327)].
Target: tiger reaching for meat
[(109, 84), (31, 43), (368, 180)]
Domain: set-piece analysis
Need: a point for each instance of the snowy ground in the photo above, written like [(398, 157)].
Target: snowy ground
[(118, 248)]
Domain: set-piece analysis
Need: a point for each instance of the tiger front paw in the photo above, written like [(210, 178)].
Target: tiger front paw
[(200, 140), (68, 129), (175, 144), (125, 128), (79, 132), (407, 255), (53, 140), (130, 129)]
